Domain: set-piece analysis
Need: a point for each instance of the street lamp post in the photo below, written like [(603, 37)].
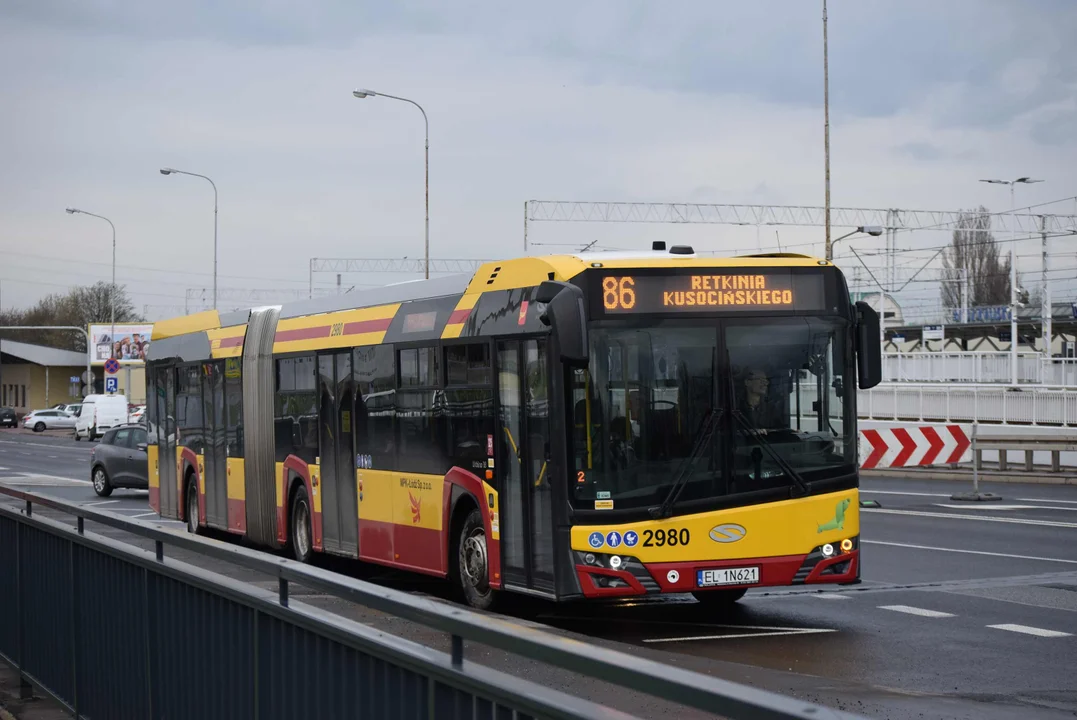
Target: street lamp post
[(112, 290), (1013, 271), (370, 93), (171, 171), (873, 230)]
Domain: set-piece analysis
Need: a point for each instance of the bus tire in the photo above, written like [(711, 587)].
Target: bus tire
[(300, 532), (191, 500), (719, 598), (471, 567)]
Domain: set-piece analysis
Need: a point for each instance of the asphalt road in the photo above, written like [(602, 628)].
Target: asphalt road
[(966, 610)]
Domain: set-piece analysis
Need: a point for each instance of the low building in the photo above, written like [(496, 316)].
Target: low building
[(33, 377)]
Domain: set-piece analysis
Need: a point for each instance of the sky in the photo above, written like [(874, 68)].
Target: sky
[(705, 101)]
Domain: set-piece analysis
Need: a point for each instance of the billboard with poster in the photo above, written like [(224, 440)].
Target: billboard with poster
[(128, 345)]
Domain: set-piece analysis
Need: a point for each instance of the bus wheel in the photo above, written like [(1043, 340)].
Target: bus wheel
[(299, 527), (472, 563), (192, 505), (719, 598)]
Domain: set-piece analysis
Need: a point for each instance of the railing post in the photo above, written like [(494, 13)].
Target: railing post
[(26, 691), (1028, 460), (1056, 461), (74, 629), (282, 591), (457, 651)]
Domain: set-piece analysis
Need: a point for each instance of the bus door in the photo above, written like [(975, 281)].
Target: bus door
[(215, 475), (336, 418), (524, 488), (166, 440)]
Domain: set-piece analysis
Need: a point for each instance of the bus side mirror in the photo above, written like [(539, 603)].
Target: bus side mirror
[(566, 315), (869, 351)]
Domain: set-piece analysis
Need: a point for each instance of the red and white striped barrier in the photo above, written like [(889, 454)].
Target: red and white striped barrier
[(911, 445)]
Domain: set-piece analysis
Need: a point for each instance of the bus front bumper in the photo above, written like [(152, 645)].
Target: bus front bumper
[(633, 577)]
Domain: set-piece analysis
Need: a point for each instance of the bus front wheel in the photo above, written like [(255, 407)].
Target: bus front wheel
[(472, 563)]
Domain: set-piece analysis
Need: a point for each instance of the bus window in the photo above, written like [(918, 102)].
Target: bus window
[(469, 406), (375, 372), (296, 409)]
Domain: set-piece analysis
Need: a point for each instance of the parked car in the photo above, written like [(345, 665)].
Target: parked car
[(120, 460), (135, 413), (100, 413), (41, 420), (8, 418), (72, 408)]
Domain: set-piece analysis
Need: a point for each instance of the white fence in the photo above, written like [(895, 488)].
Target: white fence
[(965, 403), (978, 367)]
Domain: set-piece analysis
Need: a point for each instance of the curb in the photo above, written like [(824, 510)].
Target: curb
[(1045, 477)]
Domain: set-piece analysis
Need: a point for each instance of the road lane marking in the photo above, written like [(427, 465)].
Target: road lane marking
[(102, 502), (982, 518), (144, 515), (910, 610), (992, 506), (1047, 500), (1027, 630), (968, 552), (774, 633), (865, 491), (831, 596)]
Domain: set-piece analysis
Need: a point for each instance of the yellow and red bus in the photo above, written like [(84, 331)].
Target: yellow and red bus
[(571, 426)]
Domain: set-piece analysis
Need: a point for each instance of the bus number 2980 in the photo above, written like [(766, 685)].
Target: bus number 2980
[(661, 538)]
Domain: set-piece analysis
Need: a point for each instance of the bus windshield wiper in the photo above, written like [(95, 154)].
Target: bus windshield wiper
[(749, 429), (701, 442)]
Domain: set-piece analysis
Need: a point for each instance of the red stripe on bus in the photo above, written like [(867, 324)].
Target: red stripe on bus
[(231, 341), (301, 334), (237, 516), (366, 326), (459, 316), (419, 548)]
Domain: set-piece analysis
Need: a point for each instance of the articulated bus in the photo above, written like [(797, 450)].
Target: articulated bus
[(573, 426)]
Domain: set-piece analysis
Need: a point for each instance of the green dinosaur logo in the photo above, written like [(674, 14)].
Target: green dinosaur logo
[(838, 523)]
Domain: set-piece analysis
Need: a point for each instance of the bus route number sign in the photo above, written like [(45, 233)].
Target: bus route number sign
[(703, 292)]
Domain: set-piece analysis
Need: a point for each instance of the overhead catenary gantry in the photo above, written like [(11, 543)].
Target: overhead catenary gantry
[(893, 220)]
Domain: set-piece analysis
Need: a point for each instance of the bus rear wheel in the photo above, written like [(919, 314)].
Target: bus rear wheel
[(472, 576), (192, 505), (719, 598), (300, 526)]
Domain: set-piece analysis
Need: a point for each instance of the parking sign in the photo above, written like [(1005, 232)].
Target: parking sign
[(112, 384)]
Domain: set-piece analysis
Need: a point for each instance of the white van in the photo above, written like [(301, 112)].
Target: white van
[(99, 414)]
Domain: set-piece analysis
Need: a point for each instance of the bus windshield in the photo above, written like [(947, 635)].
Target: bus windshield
[(721, 407)]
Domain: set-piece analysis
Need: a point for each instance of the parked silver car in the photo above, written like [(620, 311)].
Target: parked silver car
[(41, 420), (120, 460)]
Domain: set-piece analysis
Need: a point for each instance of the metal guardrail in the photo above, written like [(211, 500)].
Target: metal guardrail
[(1028, 444), (964, 402), (978, 367), (110, 630)]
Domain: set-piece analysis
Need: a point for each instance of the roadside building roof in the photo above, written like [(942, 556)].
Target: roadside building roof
[(41, 355)]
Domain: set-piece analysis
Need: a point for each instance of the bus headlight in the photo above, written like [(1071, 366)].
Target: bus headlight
[(828, 550), (615, 562), (846, 545)]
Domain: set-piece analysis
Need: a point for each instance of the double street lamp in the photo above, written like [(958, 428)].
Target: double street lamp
[(171, 171), (361, 94)]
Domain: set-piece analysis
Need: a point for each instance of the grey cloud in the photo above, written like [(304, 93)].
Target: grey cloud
[(883, 54)]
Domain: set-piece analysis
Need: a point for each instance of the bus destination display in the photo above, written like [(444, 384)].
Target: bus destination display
[(711, 292)]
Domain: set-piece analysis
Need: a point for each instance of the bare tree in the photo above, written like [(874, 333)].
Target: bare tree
[(81, 306), (973, 249)]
